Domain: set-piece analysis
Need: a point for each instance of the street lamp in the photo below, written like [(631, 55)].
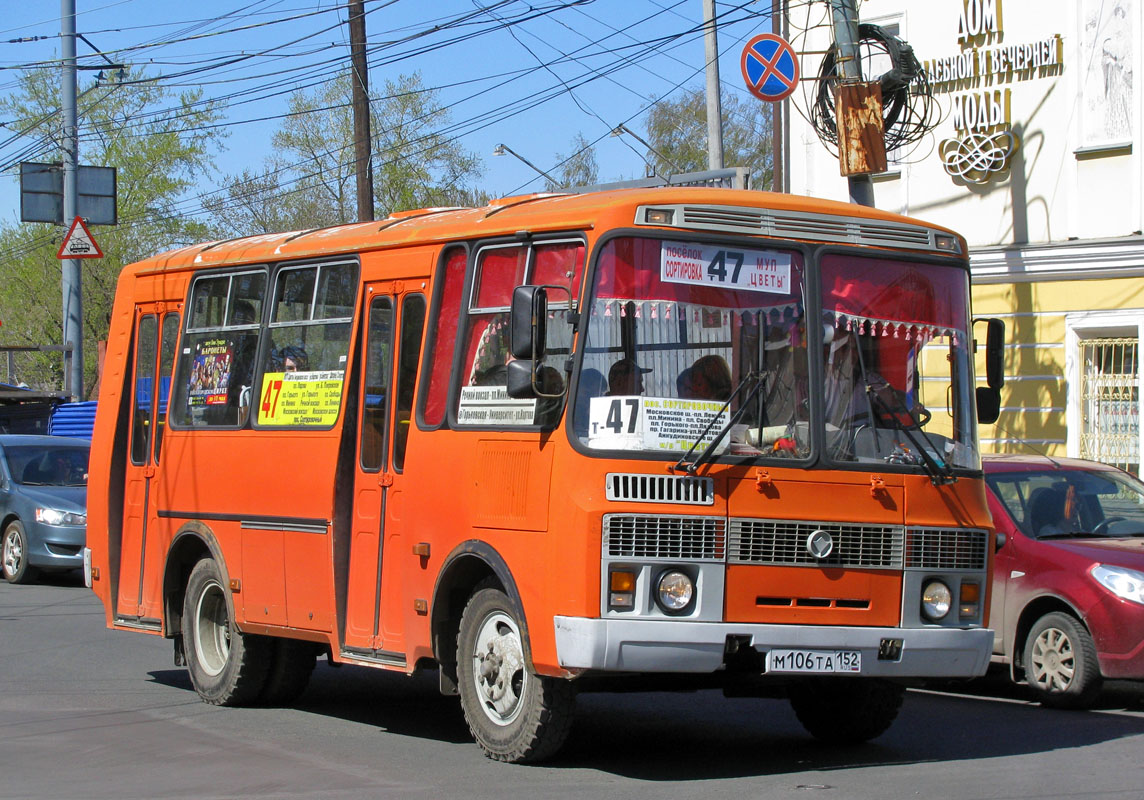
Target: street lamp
[(501, 149), (620, 130)]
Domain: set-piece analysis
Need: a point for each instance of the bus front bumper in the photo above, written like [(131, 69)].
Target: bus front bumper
[(642, 645)]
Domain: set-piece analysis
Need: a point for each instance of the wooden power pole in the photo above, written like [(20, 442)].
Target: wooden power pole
[(362, 140)]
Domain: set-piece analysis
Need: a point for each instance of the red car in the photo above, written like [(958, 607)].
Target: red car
[(1068, 583)]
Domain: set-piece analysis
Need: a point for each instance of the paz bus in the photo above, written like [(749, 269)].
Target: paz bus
[(552, 443)]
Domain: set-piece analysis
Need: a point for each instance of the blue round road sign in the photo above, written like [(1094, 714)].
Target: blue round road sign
[(770, 67)]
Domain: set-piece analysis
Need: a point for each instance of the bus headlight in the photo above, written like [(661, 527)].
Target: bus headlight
[(674, 591), (936, 600)]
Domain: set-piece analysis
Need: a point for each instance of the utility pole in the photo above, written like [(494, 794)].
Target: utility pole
[(780, 120), (362, 143), (714, 105), (848, 60), (71, 277)]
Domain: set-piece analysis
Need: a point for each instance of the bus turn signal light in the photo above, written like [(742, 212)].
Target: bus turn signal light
[(622, 594), (970, 603)]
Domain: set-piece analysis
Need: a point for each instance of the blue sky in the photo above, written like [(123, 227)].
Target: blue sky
[(562, 68)]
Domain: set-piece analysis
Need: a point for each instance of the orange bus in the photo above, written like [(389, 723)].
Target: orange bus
[(726, 436)]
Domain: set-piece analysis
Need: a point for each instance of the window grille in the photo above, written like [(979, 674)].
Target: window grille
[(1110, 402)]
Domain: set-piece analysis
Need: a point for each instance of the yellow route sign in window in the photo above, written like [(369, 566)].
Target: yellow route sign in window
[(301, 398)]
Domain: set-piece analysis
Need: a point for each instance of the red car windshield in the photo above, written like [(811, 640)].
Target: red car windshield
[(1055, 503)]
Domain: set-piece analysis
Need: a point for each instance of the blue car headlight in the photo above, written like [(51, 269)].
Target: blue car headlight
[(53, 516)]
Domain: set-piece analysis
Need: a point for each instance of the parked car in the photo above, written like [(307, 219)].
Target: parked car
[(43, 505), (1068, 583)]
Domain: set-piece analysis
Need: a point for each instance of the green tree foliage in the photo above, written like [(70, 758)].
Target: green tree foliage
[(310, 181), (578, 168), (160, 143), (677, 132)]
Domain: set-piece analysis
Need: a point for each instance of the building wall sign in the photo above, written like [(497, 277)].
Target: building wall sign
[(980, 81)]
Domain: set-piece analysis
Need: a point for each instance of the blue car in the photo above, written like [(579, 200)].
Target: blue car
[(43, 505)]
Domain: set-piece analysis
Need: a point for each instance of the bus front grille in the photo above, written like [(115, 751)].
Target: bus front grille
[(784, 543), (643, 488), (946, 548), (672, 537)]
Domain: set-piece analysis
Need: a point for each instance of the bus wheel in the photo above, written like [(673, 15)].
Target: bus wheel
[(1061, 666), (846, 710), (514, 714), (228, 668), (291, 663), (14, 555)]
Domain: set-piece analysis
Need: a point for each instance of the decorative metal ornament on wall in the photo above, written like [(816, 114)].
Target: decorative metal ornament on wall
[(977, 157)]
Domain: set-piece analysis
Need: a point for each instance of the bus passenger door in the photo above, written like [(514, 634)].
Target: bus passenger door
[(156, 334), (394, 324)]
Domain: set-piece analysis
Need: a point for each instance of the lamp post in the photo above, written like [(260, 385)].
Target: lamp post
[(501, 149)]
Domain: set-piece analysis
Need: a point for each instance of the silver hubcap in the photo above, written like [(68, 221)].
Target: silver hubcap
[(212, 629), (1054, 663), (498, 668), (13, 552)]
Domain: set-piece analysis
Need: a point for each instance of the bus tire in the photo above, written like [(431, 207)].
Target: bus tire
[(1061, 666), (227, 667), (291, 664), (514, 714), (846, 710)]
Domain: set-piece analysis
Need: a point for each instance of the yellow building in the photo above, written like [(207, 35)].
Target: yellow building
[(1035, 156)]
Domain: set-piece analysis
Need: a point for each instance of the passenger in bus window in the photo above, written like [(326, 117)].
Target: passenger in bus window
[(709, 378), (626, 377), (294, 358)]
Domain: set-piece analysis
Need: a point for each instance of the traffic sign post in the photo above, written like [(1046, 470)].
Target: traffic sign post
[(79, 243), (770, 67)]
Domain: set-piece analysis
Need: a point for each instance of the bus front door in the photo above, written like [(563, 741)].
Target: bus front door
[(395, 321), (140, 560)]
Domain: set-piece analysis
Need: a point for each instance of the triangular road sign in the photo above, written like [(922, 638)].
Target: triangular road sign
[(79, 243)]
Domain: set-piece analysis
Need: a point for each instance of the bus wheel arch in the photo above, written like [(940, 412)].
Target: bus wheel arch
[(193, 542), (470, 564)]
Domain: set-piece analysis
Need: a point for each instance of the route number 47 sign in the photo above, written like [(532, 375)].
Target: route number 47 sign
[(752, 270)]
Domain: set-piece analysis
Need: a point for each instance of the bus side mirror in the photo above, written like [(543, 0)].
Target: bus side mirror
[(518, 384), (989, 396), (988, 404), (995, 353), (528, 322)]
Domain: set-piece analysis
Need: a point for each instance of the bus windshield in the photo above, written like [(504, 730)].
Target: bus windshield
[(692, 346)]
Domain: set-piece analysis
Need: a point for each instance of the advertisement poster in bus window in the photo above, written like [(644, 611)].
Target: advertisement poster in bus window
[(301, 398), (210, 373)]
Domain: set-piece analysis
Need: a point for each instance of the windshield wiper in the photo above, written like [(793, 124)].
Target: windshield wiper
[(939, 471), (683, 465)]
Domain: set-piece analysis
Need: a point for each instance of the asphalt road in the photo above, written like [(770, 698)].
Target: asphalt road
[(90, 713)]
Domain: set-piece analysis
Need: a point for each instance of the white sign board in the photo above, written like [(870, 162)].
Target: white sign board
[(654, 423), (491, 405), (712, 265)]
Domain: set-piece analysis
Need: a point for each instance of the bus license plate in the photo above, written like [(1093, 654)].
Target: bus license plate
[(814, 661)]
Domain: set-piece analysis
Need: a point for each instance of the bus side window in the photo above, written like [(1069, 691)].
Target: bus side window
[(170, 338), (439, 354), (412, 326), (305, 359), (378, 383), (141, 426), (213, 384)]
